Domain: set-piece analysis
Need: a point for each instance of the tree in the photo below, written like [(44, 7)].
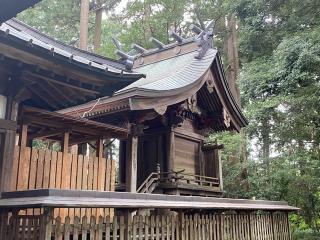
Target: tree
[(84, 22)]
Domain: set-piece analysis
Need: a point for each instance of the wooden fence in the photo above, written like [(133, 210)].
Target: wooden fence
[(36, 169), (216, 226)]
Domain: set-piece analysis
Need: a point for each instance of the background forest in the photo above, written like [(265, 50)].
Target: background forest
[(271, 52)]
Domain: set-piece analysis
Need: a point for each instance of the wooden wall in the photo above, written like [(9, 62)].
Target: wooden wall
[(186, 155)]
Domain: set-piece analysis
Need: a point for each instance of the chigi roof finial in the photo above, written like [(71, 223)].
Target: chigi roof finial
[(176, 36), (204, 38), (129, 60)]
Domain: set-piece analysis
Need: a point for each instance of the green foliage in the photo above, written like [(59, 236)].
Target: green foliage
[(57, 18), (40, 144), (281, 93)]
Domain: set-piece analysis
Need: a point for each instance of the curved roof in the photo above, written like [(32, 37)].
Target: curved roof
[(170, 80), (16, 30), (173, 73)]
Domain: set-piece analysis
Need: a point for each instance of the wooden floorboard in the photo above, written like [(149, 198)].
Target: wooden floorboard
[(94, 199)]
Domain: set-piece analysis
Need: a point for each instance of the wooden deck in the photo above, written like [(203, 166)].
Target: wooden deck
[(58, 198)]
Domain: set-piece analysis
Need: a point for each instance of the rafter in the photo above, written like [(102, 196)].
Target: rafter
[(30, 75), (64, 96), (53, 97), (43, 98)]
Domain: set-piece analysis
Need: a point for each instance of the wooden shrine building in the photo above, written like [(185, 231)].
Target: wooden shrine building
[(182, 99), (160, 104)]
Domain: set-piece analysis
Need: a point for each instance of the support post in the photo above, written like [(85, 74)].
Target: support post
[(273, 226), (122, 161), (220, 172), (127, 220), (46, 224), (3, 223), (65, 161), (66, 164), (170, 150), (182, 224), (23, 170), (7, 151), (99, 152), (131, 159)]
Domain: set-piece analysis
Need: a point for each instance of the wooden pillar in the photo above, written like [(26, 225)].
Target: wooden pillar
[(122, 161), (131, 162), (99, 152), (65, 178), (182, 230), (46, 224), (220, 172), (170, 150), (24, 159), (8, 141), (99, 155), (66, 167)]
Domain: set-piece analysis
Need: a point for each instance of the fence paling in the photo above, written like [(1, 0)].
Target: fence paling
[(44, 170), (188, 227)]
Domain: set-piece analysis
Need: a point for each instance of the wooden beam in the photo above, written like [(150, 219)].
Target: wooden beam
[(46, 134), (35, 76), (131, 162), (70, 127), (86, 139), (8, 124)]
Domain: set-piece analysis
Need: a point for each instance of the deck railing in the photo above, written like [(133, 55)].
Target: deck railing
[(156, 178)]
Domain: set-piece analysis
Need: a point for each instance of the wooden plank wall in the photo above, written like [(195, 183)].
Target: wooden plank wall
[(215, 226), (36, 169), (186, 155)]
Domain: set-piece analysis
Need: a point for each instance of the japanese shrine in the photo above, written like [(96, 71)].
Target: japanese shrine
[(160, 104)]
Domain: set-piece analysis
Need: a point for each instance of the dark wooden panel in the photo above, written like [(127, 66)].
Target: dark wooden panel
[(186, 155), (151, 151), (211, 163)]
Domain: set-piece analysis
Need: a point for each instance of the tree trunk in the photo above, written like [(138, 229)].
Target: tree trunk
[(233, 58), (97, 28), (84, 21), (265, 134), (147, 27)]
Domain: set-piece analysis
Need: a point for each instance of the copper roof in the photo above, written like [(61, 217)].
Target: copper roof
[(34, 39)]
